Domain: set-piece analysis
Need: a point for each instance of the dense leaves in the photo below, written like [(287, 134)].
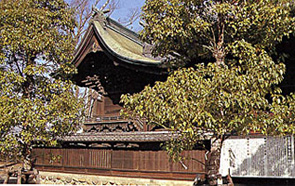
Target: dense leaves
[(235, 90), (193, 30), (35, 43)]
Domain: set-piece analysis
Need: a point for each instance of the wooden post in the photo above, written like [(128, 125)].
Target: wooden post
[(6, 173), (19, 176), (36, 175)]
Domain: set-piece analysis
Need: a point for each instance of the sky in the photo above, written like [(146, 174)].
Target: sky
[(123, 11)]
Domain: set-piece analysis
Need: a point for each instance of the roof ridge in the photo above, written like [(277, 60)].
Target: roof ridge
[(123, 27), (116, 26)]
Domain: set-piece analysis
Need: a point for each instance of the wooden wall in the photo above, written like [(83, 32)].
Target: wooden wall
[(105, 107), (129, 163)]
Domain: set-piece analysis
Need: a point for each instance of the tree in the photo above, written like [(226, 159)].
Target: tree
[(35, 44), (83, 13), (231, 86)]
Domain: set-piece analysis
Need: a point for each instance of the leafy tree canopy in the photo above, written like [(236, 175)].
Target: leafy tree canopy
[(236, 89), (194, 30), (35, 43)]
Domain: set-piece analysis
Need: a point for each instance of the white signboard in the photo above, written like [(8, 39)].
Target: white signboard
[(258, 157)]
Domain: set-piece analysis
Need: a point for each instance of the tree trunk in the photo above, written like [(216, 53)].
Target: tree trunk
[(213, 161), (6, 177), (19, 176)]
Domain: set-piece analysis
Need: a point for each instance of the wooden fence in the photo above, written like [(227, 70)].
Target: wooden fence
[(130, 163)]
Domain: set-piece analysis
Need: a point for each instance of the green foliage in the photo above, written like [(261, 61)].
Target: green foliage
[(237, 92), (35, 42), (192, 30)]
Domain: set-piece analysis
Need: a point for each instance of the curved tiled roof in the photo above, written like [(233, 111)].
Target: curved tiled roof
[(155, 136), (118, 41)]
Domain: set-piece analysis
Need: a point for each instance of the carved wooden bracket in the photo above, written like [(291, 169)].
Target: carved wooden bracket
[(111, 127), (94, 83)]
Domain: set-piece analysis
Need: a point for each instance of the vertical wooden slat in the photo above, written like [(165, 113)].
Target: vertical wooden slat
[(136, 160), (119, 159), (152, 161), (162, 161), (109, 158), (141, 161), (145, 159), (110, 152)]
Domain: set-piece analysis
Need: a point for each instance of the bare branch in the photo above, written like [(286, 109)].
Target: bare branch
[(83, 10), (133, 15), (105, 5), (113, 5)]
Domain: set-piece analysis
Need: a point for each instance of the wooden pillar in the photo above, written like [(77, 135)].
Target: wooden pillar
[(19, 176)]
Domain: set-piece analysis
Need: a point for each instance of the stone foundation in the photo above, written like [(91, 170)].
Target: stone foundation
[(80, 179)]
